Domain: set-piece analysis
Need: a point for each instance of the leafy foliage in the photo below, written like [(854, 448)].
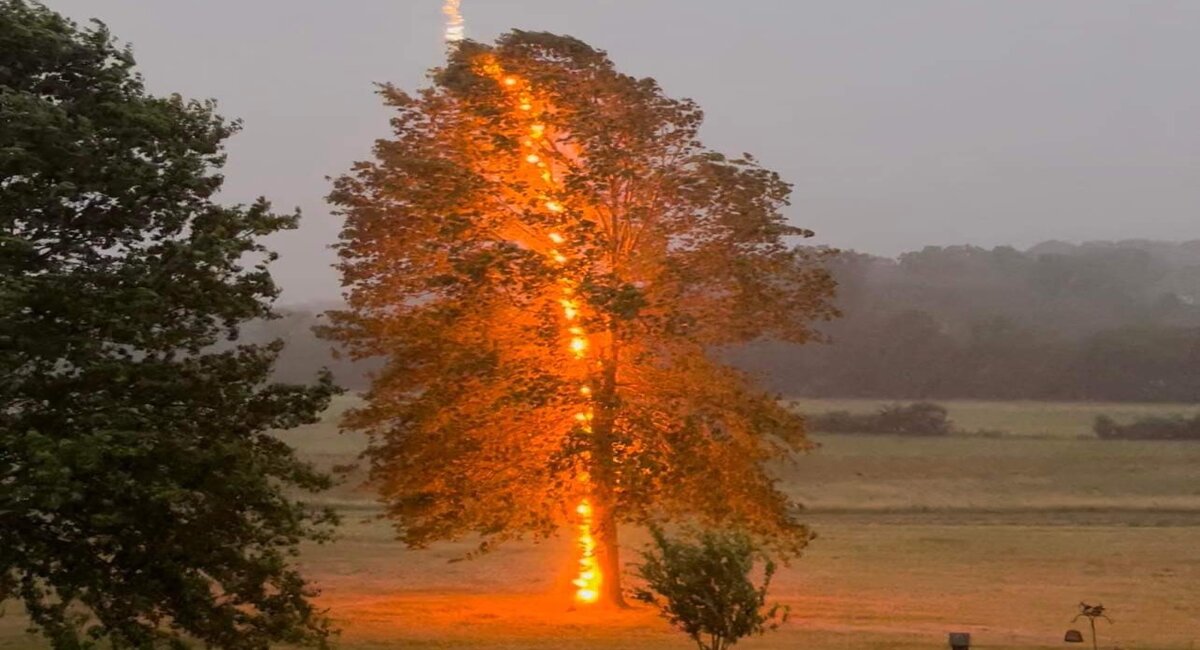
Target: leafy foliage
[(678, 252), (141, 496), (705, 587)]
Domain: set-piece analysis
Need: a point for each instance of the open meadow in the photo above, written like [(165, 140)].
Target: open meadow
[(997, 536)]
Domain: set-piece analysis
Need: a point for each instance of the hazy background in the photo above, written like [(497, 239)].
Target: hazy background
[(902, 124)]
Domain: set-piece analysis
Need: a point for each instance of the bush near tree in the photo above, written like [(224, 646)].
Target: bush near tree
[(704, 586)]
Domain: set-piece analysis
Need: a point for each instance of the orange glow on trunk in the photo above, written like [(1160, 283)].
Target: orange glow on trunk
[(587, 584), (588, 577)]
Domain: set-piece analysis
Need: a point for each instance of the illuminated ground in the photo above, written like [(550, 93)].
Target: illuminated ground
[(864, 585), (1000, 538)]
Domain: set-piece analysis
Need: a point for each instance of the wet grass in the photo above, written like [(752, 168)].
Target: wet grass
[(1000, 537)]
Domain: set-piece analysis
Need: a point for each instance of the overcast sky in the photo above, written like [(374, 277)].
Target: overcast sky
[(902, 123)]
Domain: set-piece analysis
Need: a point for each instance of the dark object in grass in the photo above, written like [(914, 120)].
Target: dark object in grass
[(1091, 613), (960, 641)]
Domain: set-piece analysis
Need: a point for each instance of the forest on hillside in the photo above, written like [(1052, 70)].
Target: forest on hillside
[(1111, 321)]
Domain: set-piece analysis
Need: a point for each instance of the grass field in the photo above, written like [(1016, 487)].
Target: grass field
[(1000, 537)]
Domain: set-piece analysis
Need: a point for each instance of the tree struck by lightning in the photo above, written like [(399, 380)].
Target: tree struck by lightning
[(550, 262)]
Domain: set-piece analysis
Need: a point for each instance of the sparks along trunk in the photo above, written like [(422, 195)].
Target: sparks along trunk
[(608, 543), (598, 578)]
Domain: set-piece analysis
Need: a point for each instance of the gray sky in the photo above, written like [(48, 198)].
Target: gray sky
[(901, 122)]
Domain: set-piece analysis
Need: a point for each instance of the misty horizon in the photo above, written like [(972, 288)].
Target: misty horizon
[(1065, 121), (1188, 252)]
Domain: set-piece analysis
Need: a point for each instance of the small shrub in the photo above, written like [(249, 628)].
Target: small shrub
[(1105, 427), (917, 419), (705, 588), (1149, 428), (842, 422)]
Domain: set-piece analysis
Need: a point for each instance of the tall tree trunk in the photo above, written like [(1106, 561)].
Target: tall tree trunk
[(608, 554), (608, 557)]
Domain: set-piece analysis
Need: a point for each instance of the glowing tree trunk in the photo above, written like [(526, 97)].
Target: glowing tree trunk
[(604, 497), (598, 577), (608, 556)]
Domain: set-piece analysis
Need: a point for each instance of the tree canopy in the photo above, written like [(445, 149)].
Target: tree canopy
[(550, 262), (142, 497)]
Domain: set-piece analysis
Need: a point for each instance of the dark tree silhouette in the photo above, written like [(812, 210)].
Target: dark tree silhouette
[(142, 498)]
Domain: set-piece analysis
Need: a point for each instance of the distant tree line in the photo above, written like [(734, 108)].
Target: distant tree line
[(1113, 322), (928, 419), (1099, 321)]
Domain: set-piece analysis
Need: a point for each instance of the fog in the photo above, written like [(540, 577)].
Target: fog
[(901, 124)]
